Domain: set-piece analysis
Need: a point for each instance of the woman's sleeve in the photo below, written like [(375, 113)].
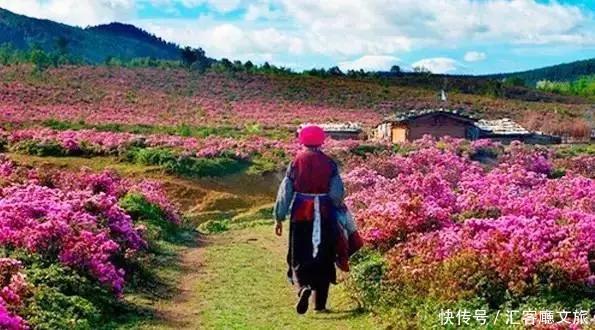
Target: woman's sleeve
[(337, 189), (284, 197)]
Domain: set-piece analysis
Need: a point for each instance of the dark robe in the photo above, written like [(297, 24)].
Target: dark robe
[(311, 173)]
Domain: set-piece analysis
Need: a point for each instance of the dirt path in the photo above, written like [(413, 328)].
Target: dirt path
[(235, 280)]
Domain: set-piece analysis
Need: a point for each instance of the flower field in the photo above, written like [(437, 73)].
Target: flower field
[(77, 227), (448, 223), (450, 229), (170, 151), (450, 220), (445, 221), (170, 97)]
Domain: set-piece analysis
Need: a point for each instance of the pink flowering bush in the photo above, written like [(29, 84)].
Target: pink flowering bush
[(583, 165), (188, 156), (10, 321), (73, 142), (73, 222), (413, 193), (14, 289), (535, 160), (82, 229), (452, 228), (52, 222)]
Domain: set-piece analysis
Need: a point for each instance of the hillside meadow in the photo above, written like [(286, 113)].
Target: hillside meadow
[(103, 95), (126, 194)]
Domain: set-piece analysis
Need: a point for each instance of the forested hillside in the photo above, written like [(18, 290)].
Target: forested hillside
[(91, 45), (561, 72)]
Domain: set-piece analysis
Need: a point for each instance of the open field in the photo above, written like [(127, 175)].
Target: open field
[(173, 97), (147, 194)]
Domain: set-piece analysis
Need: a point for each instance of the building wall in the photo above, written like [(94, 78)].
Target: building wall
[(436, 126), (526, 138), (345, 135), (398, 134), (383, 132)]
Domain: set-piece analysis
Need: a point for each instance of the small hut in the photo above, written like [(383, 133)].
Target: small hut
[(415, 124), (340, 131), (506, 130)]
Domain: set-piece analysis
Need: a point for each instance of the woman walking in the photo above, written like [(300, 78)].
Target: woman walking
[(310, 193)]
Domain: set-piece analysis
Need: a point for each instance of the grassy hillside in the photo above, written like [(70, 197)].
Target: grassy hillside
[(168, 97), (92, 45), (479, 85), (561, 72)]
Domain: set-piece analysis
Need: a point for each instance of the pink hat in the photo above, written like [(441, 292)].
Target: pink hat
[(311, 136)]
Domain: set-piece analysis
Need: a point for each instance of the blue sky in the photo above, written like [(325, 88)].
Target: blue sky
[(453, 36)]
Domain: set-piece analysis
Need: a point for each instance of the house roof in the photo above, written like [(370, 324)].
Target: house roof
[(504, 126), (337, 127), (414, 114)]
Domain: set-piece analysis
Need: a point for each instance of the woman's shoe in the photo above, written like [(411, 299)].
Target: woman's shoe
[(322, 311), (302, 305)]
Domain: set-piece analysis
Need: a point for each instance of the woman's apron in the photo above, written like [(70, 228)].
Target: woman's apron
[(313, 231)]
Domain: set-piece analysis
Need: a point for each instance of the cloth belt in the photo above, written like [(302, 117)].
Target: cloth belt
[(316, 224)]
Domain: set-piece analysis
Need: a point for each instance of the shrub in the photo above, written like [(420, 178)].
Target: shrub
[(367, 273), (262, 164), (141, 210), (452, 231), (576, 150), (365, 149), (214, 226), (62, 298), (62, 125), (39, 148), (203, 167), (150, 156), (186, 165), (71, 246), (184, 130), (51, 309)]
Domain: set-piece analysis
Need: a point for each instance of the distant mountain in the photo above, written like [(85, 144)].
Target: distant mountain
[(96, 44), (93, 44), (561, 72)]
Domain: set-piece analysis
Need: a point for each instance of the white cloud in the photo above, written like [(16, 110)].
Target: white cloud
[(369, 23), (370, 63), (191, 3), (437, 64), (337, 29), (474, 56), (222, 6), (261, 9), (74, 12), (226, 40), (363, 30)]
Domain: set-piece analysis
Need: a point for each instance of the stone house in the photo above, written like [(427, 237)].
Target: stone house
[(436, 122)]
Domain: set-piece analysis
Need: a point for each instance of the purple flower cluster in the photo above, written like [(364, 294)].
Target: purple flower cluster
[(13, 287), (105, 143), (74, 141), (75, 219), (582, 165), (510, 222)]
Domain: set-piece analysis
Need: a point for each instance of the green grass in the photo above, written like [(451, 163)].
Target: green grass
[(573, 150), (240, 283), (187, 166), (94, 163), (157, 284), (181, 130)]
